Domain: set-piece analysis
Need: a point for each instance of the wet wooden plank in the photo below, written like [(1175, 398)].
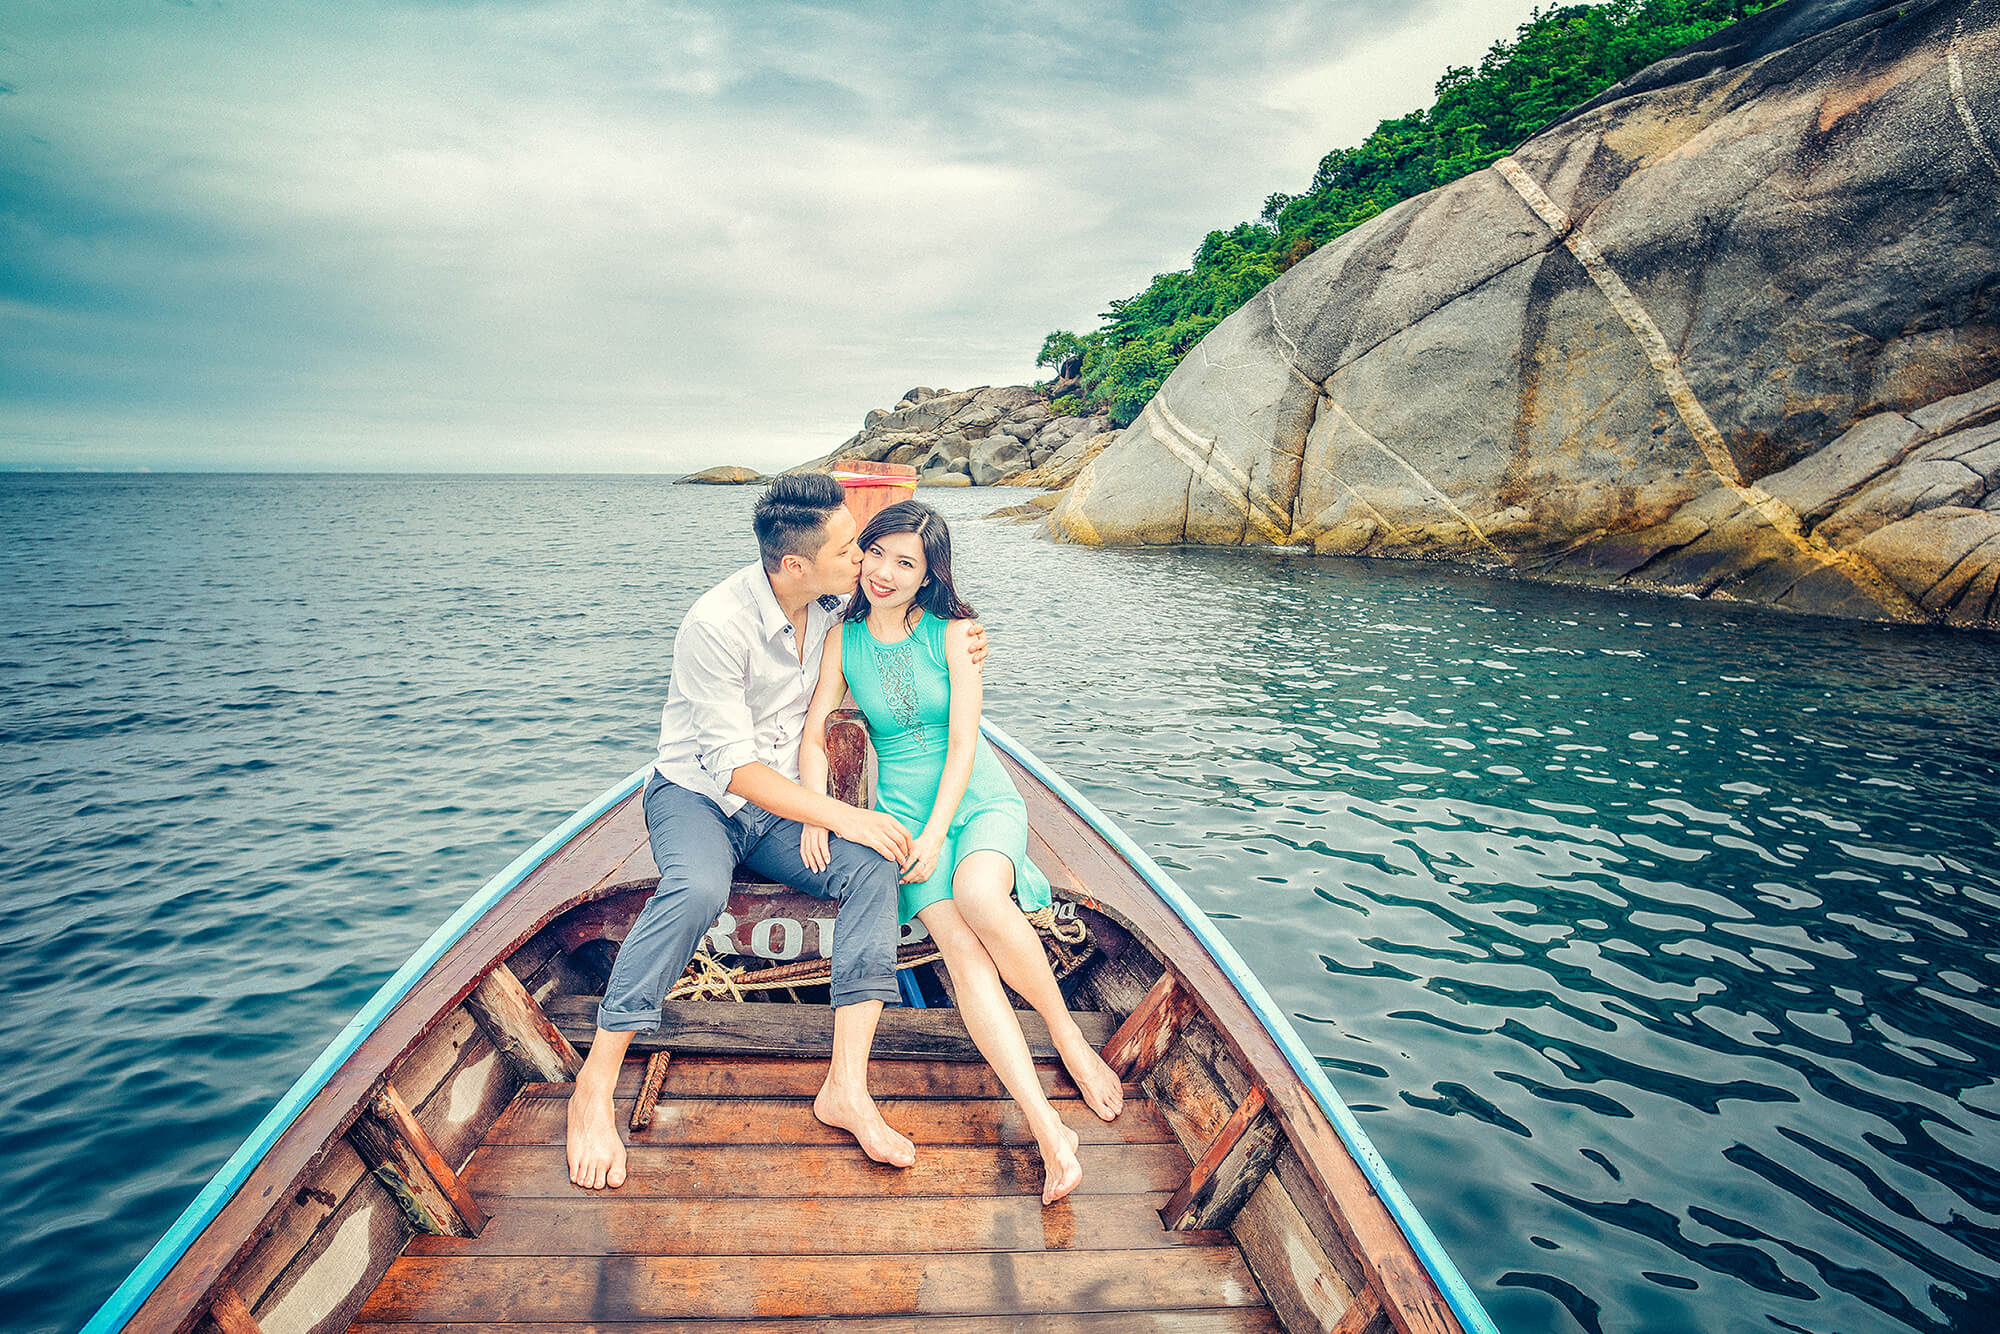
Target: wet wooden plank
[(533, 956), (613, 1225), (1192, 1097), (757, 1171), (433, 1060), (562, 975), (689, 1027), (791, 1121), (1309, 1289), (800, 1077), (1214, 1320), (707, 1287)]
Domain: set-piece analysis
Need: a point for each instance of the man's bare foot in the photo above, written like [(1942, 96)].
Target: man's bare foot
[(857, 1115), (596, 1153), (1099, 1084), (1061, 1171)]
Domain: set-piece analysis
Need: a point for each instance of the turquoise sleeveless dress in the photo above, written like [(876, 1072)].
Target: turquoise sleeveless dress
[(904, 689)]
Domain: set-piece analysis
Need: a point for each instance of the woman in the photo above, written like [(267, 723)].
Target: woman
[(902, 651)]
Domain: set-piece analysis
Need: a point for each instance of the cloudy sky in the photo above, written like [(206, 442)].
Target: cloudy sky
[(607, 235)]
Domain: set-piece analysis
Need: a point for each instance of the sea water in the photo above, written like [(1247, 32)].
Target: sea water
[(1652, 941)]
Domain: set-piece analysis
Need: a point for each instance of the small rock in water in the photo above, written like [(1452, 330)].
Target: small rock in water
[(727, 475)]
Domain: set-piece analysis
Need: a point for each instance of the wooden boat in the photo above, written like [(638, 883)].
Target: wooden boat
[(414, 1180)]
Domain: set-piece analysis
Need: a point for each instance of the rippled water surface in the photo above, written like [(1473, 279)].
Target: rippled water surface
[(1653, 942)]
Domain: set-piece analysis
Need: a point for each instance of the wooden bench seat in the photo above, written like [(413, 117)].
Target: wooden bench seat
[(807, 1030)]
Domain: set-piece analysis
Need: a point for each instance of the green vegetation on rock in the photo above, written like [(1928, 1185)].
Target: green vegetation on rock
[(1558, 59)]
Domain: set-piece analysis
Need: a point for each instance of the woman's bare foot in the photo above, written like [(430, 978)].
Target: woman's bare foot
[(1061, 1171), (857, 1115), (1099, 1084), (596, 1153)]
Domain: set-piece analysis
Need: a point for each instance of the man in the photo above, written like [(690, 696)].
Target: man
[(725, 790)]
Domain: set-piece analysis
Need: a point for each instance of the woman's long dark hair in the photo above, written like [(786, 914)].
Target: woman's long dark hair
[(938, 595)]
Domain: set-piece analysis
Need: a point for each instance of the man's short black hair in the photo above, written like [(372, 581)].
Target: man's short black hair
[(791, 516)]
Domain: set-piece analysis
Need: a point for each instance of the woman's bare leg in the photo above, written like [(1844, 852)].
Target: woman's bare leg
[(989, 1018), (983, 889)]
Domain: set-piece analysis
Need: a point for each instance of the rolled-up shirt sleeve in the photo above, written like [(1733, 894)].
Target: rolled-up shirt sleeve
[(712, 676)]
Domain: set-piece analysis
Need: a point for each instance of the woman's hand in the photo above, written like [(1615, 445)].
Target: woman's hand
[(923, 858), (812, 848)]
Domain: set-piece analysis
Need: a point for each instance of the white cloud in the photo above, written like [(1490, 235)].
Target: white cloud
[(598, 235)]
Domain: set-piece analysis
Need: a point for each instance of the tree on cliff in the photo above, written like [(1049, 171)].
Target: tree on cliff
[(1561, 57)]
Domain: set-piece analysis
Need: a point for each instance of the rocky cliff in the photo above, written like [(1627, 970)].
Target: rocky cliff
[(1730, 329), (986, 437)]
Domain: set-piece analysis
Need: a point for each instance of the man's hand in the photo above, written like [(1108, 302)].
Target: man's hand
[(923, 858), (813, 849), (975, 643), (873, 829)]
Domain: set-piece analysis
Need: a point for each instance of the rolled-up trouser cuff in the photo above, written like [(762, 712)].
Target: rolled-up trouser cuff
[(888, 993), (627, 1021)]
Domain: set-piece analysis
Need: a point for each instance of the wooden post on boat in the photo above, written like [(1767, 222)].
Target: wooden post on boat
[(1220, 1184), (404, 1159), (524, 1036), (873, 487), (1150, 1029), (231, 1313), (847, 758)]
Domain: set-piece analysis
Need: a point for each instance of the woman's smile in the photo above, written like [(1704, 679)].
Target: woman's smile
[(892, 568)]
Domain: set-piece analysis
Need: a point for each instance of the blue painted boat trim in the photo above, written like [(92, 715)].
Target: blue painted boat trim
[(1464, 1304), (130, 1295)]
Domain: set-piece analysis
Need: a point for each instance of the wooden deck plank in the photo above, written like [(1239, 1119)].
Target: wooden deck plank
[(755, 1172), (807, 1030), (1214, 1320), (499, 1290), (612, 1225), (791, 1121), (696, 1076)]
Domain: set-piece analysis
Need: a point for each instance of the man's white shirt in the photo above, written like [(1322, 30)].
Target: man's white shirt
[(740, 686)]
